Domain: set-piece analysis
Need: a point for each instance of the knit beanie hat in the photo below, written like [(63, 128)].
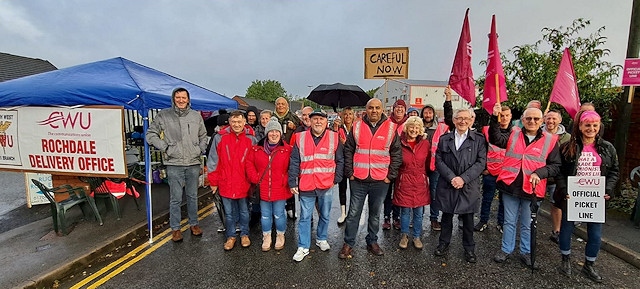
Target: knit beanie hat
[(273, 124), (400, 102)]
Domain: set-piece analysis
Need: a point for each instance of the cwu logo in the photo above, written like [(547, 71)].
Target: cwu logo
[(58, 119)]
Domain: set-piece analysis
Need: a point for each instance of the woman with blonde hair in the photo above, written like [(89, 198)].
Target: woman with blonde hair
[(412, 185)]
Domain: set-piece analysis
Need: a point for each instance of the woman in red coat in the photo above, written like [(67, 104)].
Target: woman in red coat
[(412, 185), (268, 167)]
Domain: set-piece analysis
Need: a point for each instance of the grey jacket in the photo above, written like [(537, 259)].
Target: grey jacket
[(181, 139)]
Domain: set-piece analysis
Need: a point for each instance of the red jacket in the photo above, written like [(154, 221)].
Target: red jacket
[(412, 184), (274, 185), (227, 159)]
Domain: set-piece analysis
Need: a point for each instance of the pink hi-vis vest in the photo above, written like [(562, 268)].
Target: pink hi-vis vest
[(317, 163), (529, 158), (441, 129), (372, 151), (495, 155)]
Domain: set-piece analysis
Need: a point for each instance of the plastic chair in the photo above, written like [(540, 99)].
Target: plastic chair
[(59, 209), (101, 190)]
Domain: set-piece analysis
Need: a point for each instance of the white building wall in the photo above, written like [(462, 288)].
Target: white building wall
[(417, 95)]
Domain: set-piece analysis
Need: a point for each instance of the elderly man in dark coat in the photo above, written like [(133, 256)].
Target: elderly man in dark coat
[(460, 159)]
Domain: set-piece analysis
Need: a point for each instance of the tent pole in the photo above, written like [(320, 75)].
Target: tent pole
[(147, 174)]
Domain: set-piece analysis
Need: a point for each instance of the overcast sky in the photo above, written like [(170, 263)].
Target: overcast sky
[(225, 45)]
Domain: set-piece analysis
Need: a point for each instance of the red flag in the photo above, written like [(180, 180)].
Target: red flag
[(461, 79), (494, 84), (565, 88)]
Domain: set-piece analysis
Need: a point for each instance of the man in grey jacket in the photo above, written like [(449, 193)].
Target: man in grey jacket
[(179, 133)]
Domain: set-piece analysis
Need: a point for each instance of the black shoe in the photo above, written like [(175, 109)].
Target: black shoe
[(526, 260), (588, 270), (555, 236), (441, 250), (565, 266), (480, 226), (470, 256), (500, 257)]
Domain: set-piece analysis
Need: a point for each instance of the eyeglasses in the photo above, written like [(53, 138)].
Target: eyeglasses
[(535, 119), (467, 119)]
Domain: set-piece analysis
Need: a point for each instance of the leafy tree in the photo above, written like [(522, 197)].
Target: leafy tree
[(372, 92), (532, 71), (268, 90)]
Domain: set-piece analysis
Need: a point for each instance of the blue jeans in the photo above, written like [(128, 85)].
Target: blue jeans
[(236, 211), (433, 184), (488, 192), (516, 208), (270, 211), (594, 238), (359, 192), (183, 179), (307, 205), (405, 219)]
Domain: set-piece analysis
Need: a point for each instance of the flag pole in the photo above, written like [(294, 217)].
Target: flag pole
[(497, 91), (548, 106)]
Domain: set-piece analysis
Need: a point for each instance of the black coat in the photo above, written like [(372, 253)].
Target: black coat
[(468, 162)]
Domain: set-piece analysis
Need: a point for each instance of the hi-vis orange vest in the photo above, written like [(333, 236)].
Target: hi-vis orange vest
[(372, 151), (440, 130), (529, 158), (495, 155), (317, 163)]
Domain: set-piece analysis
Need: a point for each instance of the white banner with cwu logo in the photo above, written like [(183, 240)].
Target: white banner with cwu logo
[(57, 140), (586, 199)]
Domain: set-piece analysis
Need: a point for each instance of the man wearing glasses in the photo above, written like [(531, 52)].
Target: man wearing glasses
[(531, 157)]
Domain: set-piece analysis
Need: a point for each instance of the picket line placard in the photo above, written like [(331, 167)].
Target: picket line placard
[(55, 140), (586, 199)]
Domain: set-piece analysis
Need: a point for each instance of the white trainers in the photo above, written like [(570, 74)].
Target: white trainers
[(300, 254), (323, 244)]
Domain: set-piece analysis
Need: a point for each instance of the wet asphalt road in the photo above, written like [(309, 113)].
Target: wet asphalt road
[(201, 262)]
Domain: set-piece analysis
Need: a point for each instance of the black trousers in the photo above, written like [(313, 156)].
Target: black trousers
[(467, 230), (342, 191)]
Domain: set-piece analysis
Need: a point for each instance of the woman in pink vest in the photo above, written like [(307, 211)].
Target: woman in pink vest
[(412, 185)]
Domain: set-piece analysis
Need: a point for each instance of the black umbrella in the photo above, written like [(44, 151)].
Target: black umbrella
[(217, 200), (339, 95), (534, 230)]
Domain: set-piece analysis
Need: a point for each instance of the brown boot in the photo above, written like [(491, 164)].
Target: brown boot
[(196, 231), (404, 242), (228, 245), (345, 252), (245, 242), (417, 243), (176, 236), (266, 242), (279, 241)]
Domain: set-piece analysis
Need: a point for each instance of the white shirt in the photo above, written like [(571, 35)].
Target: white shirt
[(459, 138)]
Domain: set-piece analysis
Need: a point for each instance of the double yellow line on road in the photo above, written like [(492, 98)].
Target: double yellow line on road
[(136, 254)]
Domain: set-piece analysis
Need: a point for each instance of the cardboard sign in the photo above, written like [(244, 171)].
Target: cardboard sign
[(382, 63), (586, 199)]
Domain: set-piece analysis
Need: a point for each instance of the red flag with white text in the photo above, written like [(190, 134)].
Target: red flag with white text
[(493, 90), (565, 87), (461, 78)]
